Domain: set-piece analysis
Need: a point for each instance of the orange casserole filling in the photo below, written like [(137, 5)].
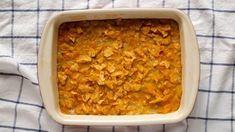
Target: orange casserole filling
[(119, 67)]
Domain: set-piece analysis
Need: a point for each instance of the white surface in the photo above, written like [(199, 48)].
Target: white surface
[(217, 56)]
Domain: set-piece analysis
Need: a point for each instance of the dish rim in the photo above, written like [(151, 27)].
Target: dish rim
[(123, 119)]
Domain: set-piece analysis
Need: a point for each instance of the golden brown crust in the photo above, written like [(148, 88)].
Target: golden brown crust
[(119, 67)]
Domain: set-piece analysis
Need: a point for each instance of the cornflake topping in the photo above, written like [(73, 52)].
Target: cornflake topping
[(119, 67)]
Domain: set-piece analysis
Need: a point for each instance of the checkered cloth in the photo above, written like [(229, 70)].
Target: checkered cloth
[(21, 24)]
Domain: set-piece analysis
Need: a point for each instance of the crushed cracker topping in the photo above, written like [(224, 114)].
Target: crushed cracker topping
[(119, 67)]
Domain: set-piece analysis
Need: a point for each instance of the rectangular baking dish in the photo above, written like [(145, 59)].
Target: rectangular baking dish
[(47, 73)]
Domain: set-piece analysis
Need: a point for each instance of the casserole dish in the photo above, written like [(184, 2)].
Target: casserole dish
[(47, 70)]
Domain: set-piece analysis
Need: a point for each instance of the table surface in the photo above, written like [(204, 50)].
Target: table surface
[(21, 24)]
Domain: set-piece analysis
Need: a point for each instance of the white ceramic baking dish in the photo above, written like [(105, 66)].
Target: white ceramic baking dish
[(47, 73)]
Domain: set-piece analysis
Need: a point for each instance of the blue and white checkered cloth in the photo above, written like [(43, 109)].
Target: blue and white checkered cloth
[(21, 24)]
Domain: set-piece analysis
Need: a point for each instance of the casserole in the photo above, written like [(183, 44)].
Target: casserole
[(47, 63)]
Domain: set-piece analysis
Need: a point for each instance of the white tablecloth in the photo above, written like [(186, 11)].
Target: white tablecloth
[(21, 24)]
